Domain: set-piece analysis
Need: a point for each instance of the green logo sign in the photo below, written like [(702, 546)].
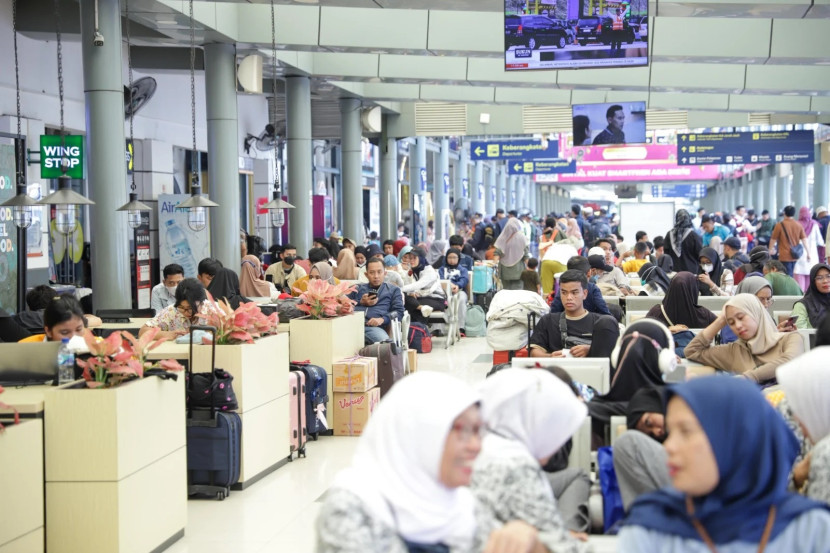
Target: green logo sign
[(57, 151)]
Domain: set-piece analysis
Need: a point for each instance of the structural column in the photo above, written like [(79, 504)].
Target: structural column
[(477, 189), (223, 151), (539, 201), (821, 181), (501, 188), (511, 191), (299, 163), (491, 189), (441, 190), (799, 191), (783, 187), (419, 187), (389, 202), (758, 191), (351, 135), (770, 199), (104, 94), (462, 181)]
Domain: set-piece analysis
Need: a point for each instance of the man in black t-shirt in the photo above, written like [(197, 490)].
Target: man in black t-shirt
[(585, 334)]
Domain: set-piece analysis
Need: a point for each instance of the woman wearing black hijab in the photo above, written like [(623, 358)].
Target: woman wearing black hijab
[(680, 308), (654, 279), (815, 305), (225, 285), (714, 279), (683, 244), (637, 366)]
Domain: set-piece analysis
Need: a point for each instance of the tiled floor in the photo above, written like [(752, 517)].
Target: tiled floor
[(277, 514)]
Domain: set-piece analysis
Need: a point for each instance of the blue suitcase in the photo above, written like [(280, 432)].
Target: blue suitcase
[(482, 279), (316, 385), (214, 442)]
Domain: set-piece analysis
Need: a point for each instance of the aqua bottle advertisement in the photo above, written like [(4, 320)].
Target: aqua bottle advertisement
[(8, 232), (178, 243)]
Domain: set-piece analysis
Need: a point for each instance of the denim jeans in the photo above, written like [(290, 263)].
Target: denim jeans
[(789, 265), (374, 334)]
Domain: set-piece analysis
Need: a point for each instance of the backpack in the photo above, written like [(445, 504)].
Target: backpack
[(489, 235), (476, 324), (419, 338), (600, 229)]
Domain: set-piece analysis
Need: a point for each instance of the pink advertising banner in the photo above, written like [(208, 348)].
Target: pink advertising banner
[(640, 162)]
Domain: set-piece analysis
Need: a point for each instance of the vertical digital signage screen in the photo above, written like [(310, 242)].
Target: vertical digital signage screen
[(574, 34), (602, 124)]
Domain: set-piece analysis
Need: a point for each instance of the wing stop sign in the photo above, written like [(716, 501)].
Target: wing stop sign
[(56, 150)]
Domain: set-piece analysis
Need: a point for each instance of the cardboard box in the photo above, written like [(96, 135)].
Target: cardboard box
[(354, 375), (352, 411), (412, 354)]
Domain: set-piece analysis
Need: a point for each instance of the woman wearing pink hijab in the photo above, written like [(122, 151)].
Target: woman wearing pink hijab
[(801, 270)]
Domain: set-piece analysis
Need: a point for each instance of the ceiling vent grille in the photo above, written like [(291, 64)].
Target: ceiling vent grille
[(440, 119), (663, 119), (760, 119), (544, 119)]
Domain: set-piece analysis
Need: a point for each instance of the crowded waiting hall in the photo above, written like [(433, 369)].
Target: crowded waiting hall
[(333, 276)]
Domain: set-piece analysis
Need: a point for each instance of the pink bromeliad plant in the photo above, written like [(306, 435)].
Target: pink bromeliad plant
[(15, 411), (240, 326), (121, 357), (323, 300)]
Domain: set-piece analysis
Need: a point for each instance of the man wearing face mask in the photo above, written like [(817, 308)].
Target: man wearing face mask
[(164, 293), (614, 277), (285, 273)]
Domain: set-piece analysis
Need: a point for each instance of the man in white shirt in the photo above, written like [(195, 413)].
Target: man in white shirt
[(164, 293)]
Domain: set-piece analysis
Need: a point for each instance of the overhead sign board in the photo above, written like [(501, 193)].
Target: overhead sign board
[(514, 149), (541, 167), (745, 147), (54, 149), (690, 191)]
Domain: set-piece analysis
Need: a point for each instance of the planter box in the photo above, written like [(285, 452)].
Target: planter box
[(260, 380), (116, 467), (21, 482), (324, 341)]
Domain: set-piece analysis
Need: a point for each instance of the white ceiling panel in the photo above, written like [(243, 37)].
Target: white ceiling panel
[(373, 30), (455, 93), (688, 101), (473, 33), (703, 77), (537, 96), (710, 40), (342, 65), (757, 102), (804, 79), (804, 41), (422, 68), (734, 8), (631, 78), (491, 72)]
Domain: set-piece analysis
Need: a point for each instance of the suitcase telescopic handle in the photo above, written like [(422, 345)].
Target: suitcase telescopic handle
[(212, 330)]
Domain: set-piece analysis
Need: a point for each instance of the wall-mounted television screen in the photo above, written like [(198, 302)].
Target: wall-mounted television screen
[(602, 124), (574, 34)]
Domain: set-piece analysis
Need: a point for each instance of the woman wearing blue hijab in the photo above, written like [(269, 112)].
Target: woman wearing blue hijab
[(729, 456)]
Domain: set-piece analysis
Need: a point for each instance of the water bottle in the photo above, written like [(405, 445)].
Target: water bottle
[(66, 363), (180, 249)]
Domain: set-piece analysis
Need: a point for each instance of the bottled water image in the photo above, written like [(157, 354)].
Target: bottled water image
[(180, 249), (66, 363)]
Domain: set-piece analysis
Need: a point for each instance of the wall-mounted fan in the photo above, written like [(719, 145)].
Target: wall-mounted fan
[(264, 142), (143, 90)]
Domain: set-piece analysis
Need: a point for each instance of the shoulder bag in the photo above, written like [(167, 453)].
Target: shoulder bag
[(797, 250)]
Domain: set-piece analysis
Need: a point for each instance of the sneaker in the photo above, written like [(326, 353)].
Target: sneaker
[(426, 311)]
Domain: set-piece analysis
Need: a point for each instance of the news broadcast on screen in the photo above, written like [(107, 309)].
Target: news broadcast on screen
[(574, 34)]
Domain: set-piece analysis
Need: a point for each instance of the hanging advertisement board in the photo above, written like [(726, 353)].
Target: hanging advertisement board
[(178, 243)]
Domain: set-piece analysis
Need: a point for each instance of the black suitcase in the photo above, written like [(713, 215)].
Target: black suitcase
[(213, 443), (391, 359), (316, 385)]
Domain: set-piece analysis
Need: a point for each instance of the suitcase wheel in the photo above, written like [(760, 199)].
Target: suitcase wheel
[(301, 452), (221, 496)]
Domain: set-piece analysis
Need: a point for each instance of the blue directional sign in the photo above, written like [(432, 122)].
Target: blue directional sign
[(446, 183), (423, 175), (480, 191), (541, 167), (465, 185), (690, 191), (745, 147), (514, 149), (493, 195)]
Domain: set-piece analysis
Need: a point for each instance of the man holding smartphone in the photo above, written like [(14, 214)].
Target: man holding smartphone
[(378, 300)]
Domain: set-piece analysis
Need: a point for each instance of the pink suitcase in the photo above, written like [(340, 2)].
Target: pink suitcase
[(297, 429)]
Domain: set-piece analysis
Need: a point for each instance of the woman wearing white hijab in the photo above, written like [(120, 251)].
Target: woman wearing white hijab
[(760, 348), (511, 247), (405, 490), (530, 414), (806, 385)]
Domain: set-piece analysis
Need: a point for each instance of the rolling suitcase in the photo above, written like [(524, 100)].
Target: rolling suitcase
[(391, 358), (213, 442), (506, 356), (297, 431), (316, 392), (482, 279)]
